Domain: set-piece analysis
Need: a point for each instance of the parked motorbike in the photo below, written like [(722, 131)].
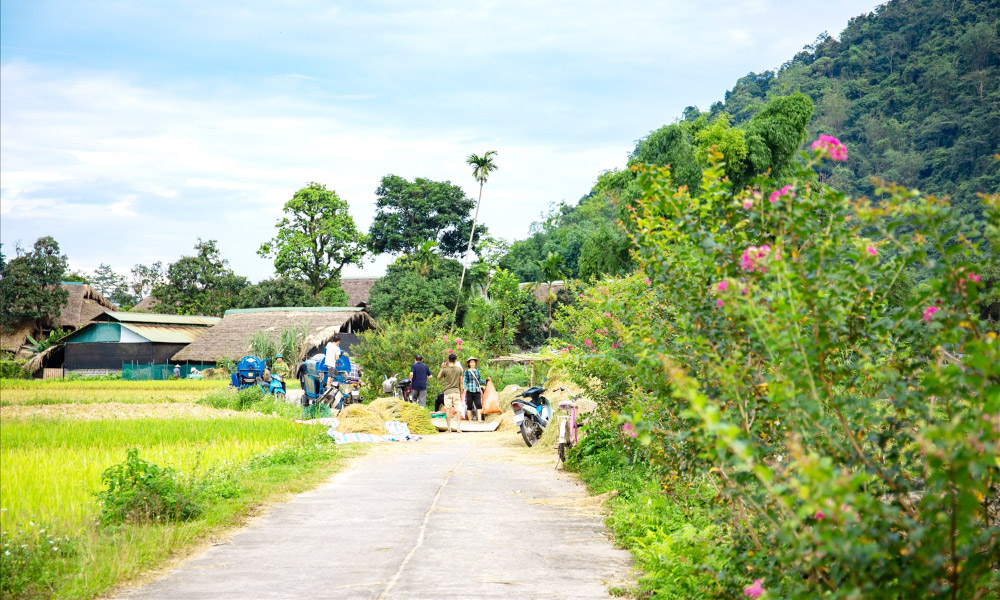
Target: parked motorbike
[(334, 387), (532, 414), (400, 388), (252, 371)]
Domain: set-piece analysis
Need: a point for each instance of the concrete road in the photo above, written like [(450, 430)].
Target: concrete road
[(472, 515)]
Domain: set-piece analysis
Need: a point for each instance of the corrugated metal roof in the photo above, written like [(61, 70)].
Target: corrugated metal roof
[(167, 334), (241, 311), (131, 317)]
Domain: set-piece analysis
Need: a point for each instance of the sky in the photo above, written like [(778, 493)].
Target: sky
[(129, 130)]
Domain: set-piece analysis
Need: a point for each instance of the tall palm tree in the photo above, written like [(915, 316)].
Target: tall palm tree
[(482, 167), (552, 270)]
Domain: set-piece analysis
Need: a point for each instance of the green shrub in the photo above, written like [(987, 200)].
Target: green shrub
[(13, 369), (138, 491), (29, 559), (249, 399), (852, 437)]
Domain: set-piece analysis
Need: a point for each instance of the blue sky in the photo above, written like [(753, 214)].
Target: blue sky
[(130, 129)]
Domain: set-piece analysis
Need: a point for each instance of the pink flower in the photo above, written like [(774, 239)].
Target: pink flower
[(748, 203), (784, 191), (607, 314), (830, 146), (458, 340), (449, 351), (446, 338), (723, 285), (743, 291), (753, 258), (648, 281), (974, 277), (719, 302), (872, 250), (615, 345), (587, 342), (755, 590), (929, 313), (629, 430), (819, 515)]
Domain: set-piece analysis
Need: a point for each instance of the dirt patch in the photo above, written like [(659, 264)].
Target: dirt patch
[(119, 410)]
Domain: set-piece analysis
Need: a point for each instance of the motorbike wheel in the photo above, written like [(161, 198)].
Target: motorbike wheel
[(280, 396), (529, 431)]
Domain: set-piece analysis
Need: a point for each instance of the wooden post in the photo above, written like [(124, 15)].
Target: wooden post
[(532, 373)]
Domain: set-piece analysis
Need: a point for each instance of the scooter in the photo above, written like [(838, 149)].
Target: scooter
[(250, 371), (532, 415), (333, 387), (400, 388)]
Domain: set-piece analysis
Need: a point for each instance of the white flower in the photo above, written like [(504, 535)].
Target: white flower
[(6, 552), (55, 548)]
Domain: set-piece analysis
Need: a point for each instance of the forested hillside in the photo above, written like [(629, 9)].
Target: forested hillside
[(912, 89)]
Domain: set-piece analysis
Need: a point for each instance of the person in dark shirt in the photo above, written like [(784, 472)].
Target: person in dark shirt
[(419, 373)]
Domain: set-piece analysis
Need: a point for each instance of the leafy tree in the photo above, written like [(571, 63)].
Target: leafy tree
[(316, 238), (202, 284), (112, 286), (145, 278), (280, 291), (409, 213), (29, 287), (404, 290), (496, 317)]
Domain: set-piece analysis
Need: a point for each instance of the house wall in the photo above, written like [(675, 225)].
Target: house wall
[(102, 355)]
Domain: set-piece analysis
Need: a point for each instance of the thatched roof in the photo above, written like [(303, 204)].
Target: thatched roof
[(82, 306), (230, 337), (358, 289), (147, 304)]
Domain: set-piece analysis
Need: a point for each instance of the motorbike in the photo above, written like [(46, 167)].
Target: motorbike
[(400, 388), (335, 387), (532, 414), (252, 371)]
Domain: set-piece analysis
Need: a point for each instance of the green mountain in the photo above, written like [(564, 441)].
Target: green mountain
[(912, 89)]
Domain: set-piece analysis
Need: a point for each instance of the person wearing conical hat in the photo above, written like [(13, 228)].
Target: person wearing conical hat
[(473, 385)]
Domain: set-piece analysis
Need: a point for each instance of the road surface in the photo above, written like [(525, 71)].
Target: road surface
[(472, 515)]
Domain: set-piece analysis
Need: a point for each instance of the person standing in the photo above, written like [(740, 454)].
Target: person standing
[(473, 385), (280, 367), (333, 352), (177, 371), (419, 373), (451, 376)]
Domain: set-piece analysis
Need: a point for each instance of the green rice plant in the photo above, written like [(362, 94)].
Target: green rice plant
[(118, 385), (30, 559), (52, 468), (250, 399)]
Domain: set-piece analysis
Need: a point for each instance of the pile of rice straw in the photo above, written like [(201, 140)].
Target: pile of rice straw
[(371, 418)]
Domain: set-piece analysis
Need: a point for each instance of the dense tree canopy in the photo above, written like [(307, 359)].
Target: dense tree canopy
[(29, 283), (316, 238), (202, 284), (408, 213), (425, 285)]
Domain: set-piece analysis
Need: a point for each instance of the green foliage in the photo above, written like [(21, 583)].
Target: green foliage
[(249, 399), (280, 291), (409, 213), (496, 317), (853, 441), (112, 286), (200, 285), (316, 238), (389, 350), (145, 278), (29, 287), (30, 559), (678, 538), (912, 88), (13, 369), (138, 491), (422, 284)]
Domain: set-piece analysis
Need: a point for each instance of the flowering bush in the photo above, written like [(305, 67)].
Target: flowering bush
[(854, 440)]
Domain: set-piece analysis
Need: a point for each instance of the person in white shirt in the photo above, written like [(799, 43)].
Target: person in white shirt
[(333, 352)]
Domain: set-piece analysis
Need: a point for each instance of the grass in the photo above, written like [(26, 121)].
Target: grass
[(34, 392), (52, 471)]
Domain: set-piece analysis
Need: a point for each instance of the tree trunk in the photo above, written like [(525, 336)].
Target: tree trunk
[(461, 281)]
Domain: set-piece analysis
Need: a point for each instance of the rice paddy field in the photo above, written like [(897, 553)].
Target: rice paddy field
[(58, 437)]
